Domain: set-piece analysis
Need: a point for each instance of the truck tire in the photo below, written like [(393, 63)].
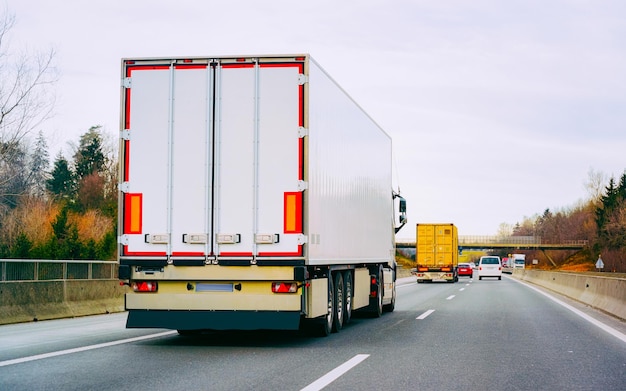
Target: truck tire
[(339, 303), (348, 294)]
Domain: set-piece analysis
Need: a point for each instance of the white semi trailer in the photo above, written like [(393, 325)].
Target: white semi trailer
[(254, 194)]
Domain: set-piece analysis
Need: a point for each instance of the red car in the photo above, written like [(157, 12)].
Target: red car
[(465, 269)]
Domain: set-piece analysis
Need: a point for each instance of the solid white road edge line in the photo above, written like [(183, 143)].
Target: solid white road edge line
[(588, 318), (335, 373), (425, 314), (82, 349)]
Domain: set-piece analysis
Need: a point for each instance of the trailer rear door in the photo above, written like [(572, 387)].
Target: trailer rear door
[(212, 158)]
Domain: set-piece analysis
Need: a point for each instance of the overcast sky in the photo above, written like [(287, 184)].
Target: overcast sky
[(498, 109)]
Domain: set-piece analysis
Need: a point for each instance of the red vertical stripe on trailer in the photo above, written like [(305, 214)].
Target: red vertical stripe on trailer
[(126, 158)]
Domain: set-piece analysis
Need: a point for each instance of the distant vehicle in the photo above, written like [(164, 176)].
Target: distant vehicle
[(489, 266), (466, 269), (436, 252), (515, 261)]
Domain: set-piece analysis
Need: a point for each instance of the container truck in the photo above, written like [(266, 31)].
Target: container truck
[(436, 253), (514, 261), (254, 194)]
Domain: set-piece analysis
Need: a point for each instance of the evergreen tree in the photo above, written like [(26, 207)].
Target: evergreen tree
[(21, 248), (621, 188), (61, 182), (607, 205), (89, 158), (60, 226), (38, 167), (90, 167)]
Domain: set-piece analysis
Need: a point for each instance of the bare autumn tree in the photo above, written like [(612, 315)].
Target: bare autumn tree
[(596, 180), (26, 101)]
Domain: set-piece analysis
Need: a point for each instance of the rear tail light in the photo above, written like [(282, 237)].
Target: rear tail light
[(284, 287), (373, 286), (445, 269), (145, 286)]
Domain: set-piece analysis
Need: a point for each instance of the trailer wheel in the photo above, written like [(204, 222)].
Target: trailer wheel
[(348, 293), (339, 304)]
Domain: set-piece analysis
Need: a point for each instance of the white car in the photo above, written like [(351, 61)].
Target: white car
[(490, 266)]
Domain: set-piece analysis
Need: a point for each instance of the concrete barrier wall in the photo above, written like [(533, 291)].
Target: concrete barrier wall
[(38, 300), (607, 294)]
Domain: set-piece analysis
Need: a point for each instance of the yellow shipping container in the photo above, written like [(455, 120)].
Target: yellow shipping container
[(437, 252)]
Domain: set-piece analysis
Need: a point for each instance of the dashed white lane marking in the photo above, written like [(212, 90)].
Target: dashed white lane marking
[(335, 373), (450, 297), (82, 349), (425, 314), (461, 290)]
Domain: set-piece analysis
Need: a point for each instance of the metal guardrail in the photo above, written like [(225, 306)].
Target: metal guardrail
[(49, 270)]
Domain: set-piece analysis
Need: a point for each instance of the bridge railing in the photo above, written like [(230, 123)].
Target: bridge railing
[(505, 241), (500, 239), (50, 270)]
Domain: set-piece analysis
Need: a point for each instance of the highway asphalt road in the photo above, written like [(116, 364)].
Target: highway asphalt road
[(472, 335)]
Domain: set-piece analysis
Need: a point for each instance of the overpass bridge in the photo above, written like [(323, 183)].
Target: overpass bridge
[(506, 242)]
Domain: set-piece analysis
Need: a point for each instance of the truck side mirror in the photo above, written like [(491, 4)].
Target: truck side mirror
[(402, 211)]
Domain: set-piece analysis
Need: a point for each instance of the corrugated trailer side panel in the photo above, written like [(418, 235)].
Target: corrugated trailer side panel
[(350, 205), (436, 245)]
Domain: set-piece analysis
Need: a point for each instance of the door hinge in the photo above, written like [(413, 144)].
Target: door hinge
[(302, 185), (123, 240), (127, 82), (125, 134), (124, 187), (302, 132), (302, 79)]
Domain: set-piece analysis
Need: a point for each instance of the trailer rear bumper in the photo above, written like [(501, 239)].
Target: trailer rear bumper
[(214, 320)]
